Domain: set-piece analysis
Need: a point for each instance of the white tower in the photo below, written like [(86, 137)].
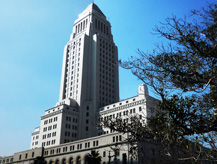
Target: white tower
[(89, 71)]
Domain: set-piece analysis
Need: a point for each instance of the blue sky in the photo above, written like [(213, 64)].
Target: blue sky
[(33, 34)]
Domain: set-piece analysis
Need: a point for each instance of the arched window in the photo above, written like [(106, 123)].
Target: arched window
[(86, 160), (71, 160), (51, 162), (57, 161), (64, 161), (78, 161)]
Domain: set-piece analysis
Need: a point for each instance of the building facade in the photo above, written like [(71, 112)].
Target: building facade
[(89, 92), (89, 72), (89, 81)]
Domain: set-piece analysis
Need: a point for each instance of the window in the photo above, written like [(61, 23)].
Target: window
[(45, 122), (98, 25), (95, 23), (86, 128), (55, 118), (70, 148), (49, 135), (45, 129), (53, 134), (120, 138), (64, 149), (140, 108), (116, 138), (50, 127), (134, 111), (104, 153)]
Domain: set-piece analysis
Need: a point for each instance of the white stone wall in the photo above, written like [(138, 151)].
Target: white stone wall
[(143, 106), (35, 138), (59, 124)]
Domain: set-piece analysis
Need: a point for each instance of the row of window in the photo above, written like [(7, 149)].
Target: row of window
[(48, 143), (7, 160), (81, 26), (34, 143), (105, 45), (35, 137), (50, 120), (68, 126), (67, 134), (68, 118), (71, 148), (26, 155), (101, 27), (125, 113), (117, 138), (49, 128), (127, 101), (71, 77), (49, 135)]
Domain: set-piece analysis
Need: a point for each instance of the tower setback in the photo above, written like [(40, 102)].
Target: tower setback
[(89, 81)]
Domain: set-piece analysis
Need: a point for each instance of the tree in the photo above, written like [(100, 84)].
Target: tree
[(184, 75), (94, 157), (39, 160)]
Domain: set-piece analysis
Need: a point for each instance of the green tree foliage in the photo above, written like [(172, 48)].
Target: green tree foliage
[(39, 160), (184, 75), (94, 158)]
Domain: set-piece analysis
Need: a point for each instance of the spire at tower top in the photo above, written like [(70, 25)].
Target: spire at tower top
[(93, 7)]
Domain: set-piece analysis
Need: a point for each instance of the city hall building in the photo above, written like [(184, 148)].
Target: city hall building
[(89, 92)]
